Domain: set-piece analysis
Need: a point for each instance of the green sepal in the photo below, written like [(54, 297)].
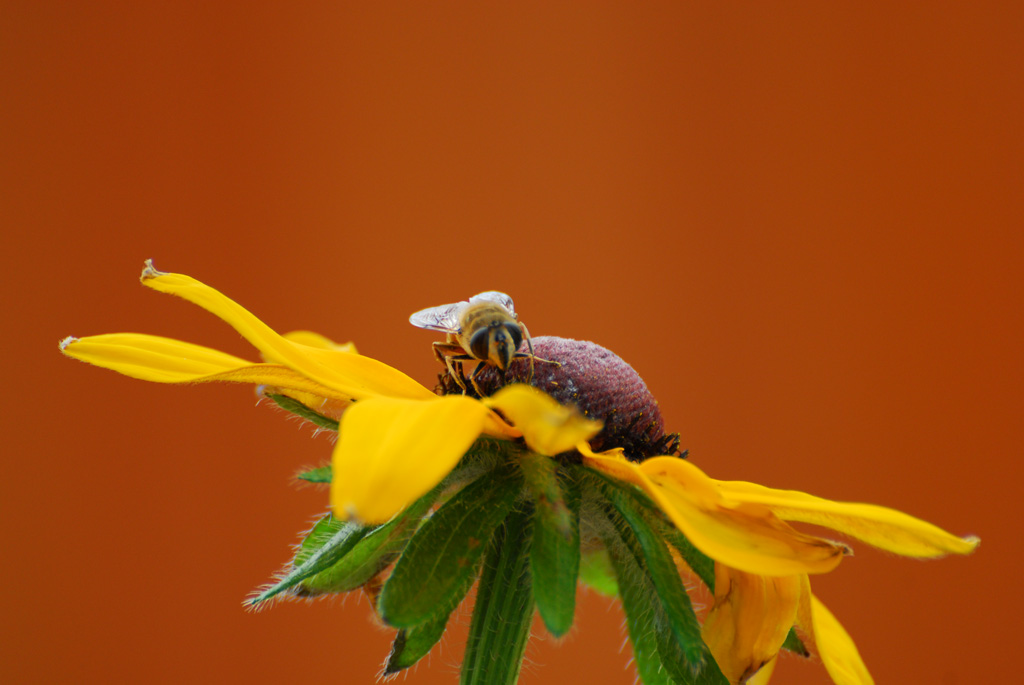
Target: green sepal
[(597, 573), (412, 644), (503, 611), (555, 554), (302, 411), (324, 546), (371, 555), (794, 644), (320, 474), (701, 564), (646, 575), (636, 593), (318, 536), (658, 654), (665, 575), (445, 551)]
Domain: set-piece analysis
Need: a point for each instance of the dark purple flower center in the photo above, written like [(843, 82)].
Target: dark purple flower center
[(597, 382)]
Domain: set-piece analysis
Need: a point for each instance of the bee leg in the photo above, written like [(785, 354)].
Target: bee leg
[(472, 378), (459, 376), (529, 346), (448, 354)]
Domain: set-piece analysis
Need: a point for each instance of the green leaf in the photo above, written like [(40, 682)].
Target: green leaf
[(445, 551), (555, 557), (325, 545), (371, 555), (301, 410), (596, 572), (321, 474), (504, 607)]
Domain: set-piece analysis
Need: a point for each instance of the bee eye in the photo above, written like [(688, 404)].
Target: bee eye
[(516, 334), (480, 343)]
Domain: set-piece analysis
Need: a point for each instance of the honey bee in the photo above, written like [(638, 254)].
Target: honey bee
[(484, 329)]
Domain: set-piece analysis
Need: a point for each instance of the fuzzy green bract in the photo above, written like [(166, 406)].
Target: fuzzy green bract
[(509, 521)]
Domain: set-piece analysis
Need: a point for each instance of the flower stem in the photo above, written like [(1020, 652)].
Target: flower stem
[(504, 607)]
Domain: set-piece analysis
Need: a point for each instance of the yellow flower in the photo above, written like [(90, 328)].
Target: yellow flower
[(758, 599), (398, 440)]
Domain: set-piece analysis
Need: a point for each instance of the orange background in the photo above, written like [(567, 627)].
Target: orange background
[(800, 223)]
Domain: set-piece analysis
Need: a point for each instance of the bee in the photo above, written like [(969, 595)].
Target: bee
[(484, 329)]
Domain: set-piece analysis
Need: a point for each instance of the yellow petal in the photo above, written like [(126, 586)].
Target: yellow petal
[(331, 408), (833, 644), (747, 537), (496, 427), (391, 451), (311, 339), (765, 674), (750, 619), (165, 360), (352, 375), (882, 527), (548, 427)]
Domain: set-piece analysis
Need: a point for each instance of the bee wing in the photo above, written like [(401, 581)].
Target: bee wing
[(496, 297), (444, 318)]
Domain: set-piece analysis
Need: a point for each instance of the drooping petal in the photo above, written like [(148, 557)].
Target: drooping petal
[(830, 640), (763, 676), (750, 619), (391, 451), (747, 537), (349, 374), (165, 360), (882, 527), (548, 427)]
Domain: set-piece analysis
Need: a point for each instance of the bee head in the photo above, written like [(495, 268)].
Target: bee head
[(496, 343)]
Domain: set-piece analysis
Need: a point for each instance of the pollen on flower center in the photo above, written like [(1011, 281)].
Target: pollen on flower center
[(597, 382)]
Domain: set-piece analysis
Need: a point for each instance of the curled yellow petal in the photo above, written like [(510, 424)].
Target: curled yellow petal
[(165, 360), (882, 527), (746, 536), (833, 644), (548, 427), (391, 451), (749, 620), (349, 374)]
